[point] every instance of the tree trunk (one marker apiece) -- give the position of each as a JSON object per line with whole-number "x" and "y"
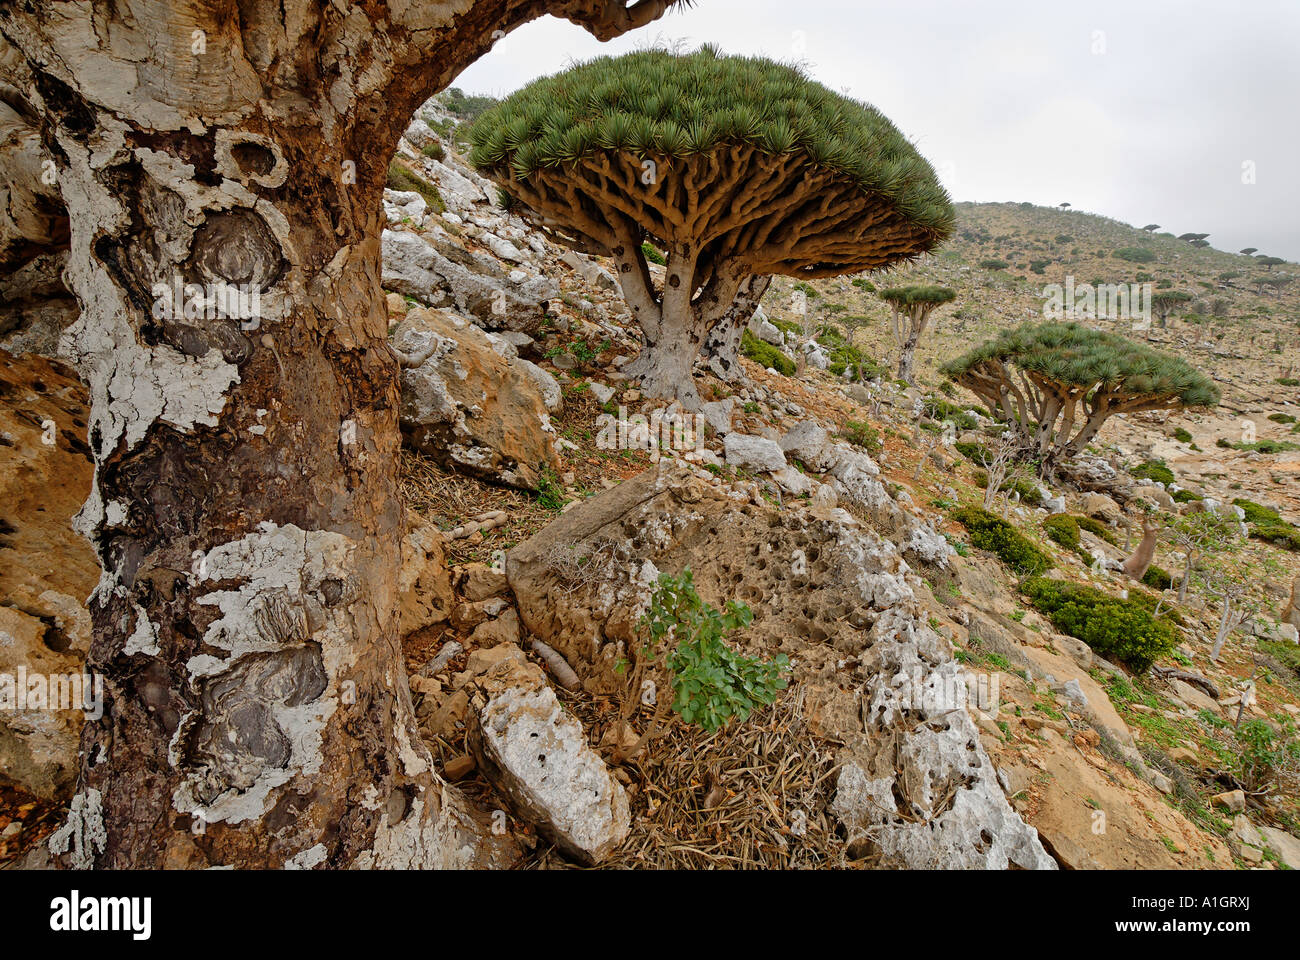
{"x": 1224, "y": 629}
{"x": 1291, "y": 612}
{"x": 722, "y": 346}
{"x": 1187, "y": 579}
{"x": 907, "y": 356}
{"x": 245, "y": 507}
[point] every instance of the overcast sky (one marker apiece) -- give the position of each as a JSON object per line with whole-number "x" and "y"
{"x": 1149, "y": 111}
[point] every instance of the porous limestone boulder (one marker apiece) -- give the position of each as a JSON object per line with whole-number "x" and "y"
{"x": 424, "y": 582}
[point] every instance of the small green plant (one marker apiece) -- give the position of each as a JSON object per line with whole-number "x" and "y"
{"x": 652, "y": 254}
{"x": 1156, "y": 470}
{"x": 765, "y": 355}
{"x": 402, "y": 177}
{"x": 712, "y": 684}
{"x": 1183, "y": 435}
{"x": 433, "y": 151}
{"x": 550, "y": 493}
{"x": 1063, "y": 529}
{"x": 1157, "y": 578}
{"x": 990, "y": 532}
{"x": 861, "y": 434}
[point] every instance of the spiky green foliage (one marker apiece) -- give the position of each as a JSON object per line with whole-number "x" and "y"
{"x": 919, "y": 294}
{"x": 735, "y": 167}
{"x": 657, "y": 104}
{"x": 1036, "y": 374}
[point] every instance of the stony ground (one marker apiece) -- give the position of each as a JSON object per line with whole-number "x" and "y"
{"x": 1111, "y": 769}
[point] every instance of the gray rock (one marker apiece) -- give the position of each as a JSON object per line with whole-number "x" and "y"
{"x": 546, "y": 384}
{"x": 753, "y": 453}
{"x": 810, "y": 443}
{"x": 479, "y": 288}
{"x": 536, "y": 755}
{"x": 602, "y": 392}
{"x": 717, "y": 414}
{"x": 1284, "y": 845}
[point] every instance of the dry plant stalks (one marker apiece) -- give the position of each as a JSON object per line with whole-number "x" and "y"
{"x": 580, "y": 565}
{"x": 480, "y": 524}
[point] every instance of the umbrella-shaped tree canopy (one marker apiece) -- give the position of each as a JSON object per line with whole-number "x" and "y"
{"x": 735, "y": 166}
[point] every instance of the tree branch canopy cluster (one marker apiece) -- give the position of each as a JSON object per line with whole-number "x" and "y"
{"x": 1057, "y": 383}
{"x": 735, "y": 166}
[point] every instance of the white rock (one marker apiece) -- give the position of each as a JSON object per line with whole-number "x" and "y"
{"x": 752, "y": 453}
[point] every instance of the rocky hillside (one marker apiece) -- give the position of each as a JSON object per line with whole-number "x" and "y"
{"x": 942, "y": 706}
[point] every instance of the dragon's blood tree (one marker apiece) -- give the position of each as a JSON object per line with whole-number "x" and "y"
{"x": 1057, "y": 383}
{"x": 735, "y": 166}
{"x": 911, "y": 308}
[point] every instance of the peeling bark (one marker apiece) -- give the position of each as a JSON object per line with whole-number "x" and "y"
{"x": 245, "y": 507}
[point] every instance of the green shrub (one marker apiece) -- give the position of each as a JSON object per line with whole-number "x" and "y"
{"x": 1186, "y": 496}
{"x": 1157, "y": 578}
{"x": 1135, "y": 254}
{"x": 1264, "y": 753}
{"x": 994, "y": 264}
{"x": 1063, "y": 529}
{"x": 1155, "y": 470}
{"x": 975, "y": 452}
{"x": 712, "y": 684}
{"x": 402, "y": 177}
{"x": 1123, "y": 630}
{"x": 1281, "y": 418}
{"x": 1096, "y": 528}
{"x": 1257, "y": 512}
{"x": 1288, "y": 381}
{"x": 940, "y": 409}
{"x": 861, "y": 434}
{"x": 990, "y": 532}
{"x": 1279, "y": 534}
{"x": 863, "y": 284}
{"x": 433, "y": 150}
{"x": 765, "y": 354}
{"x": 1183, "y": 435}
{"x": 652, "y": 254}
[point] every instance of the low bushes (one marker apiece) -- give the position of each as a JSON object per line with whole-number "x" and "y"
{"x": 990, "y": 532}
{"x": 1123, "y": 630}
{"x": 765, "y": 354}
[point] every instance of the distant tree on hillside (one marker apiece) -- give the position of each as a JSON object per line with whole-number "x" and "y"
{"x": 735, "y": 167}
{"x": 1268, "y": 263}
{"x": 1192, "y": 237}
{"x": 1151, "y": 227}
{"x": 1135, "y": 254}
{"x": 1200, "y": 243}
{"x": 1249, "y": 250}
{"x": 911, "y": 310}
{"x": 1064, "y": 206}
{"x": 1057, "y": 383}
{"x": 1166, "y": 302}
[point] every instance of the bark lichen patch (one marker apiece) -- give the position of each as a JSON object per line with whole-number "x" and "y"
{"x": 263, "y": 707}
{"x": 84, "y": 835}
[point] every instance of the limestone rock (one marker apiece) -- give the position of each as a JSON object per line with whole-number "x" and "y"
{"x": 753, "y": 453}
{"x": 537, "y": 757}
{"x": 469, "y": 407}
{"x": 477, "y": 285}
{"x": 810, "y": 443}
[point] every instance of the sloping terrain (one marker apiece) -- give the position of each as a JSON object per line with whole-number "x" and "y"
{"x": 935, "y": 714}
